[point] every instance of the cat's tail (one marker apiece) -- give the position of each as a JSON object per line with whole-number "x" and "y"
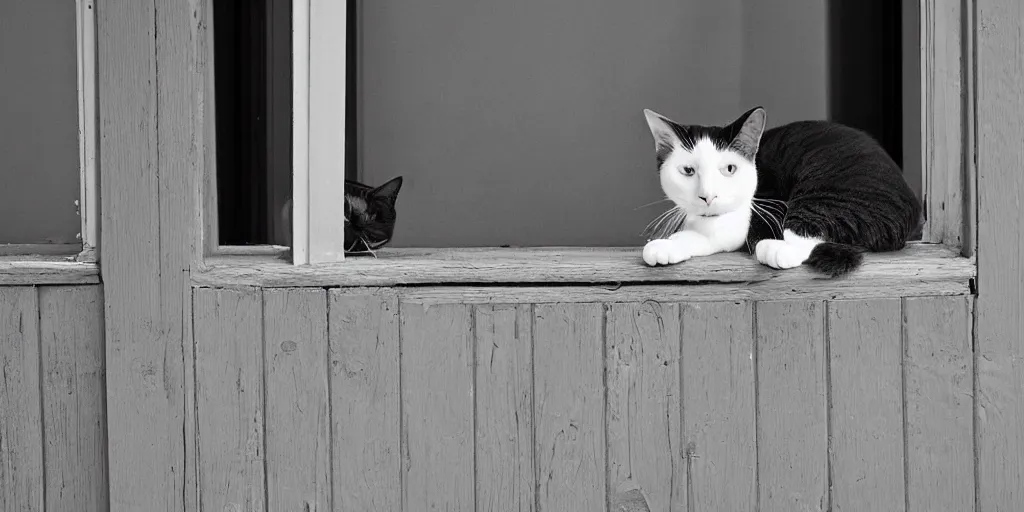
{"x": 835, "y": 259}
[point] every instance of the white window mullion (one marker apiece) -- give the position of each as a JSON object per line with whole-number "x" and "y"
{"x": 88, "y": 197}
{"x": 319, "y": 71}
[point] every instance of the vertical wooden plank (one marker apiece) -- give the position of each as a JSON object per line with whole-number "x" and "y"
{"x": 792, "y": 430}
{"x": 642, "y": 414}
{"x": 505, "y": 471}
{"x": 569, "y": 406}
{"x": 151, "y": 95}
{"x": 866, "y": 405}
{"x": 938, "y": 370}
{"x": 719, "y": 435}
{"x": 297, "y": 418}
{"x": 437, "y": 407}
{"x": 999, "y": 351}
{"x": 74, "y": 423}
{"x": 942, "y": 120}
{"x": 365, "y": 400}
{"x": 21, "y": 432}
{"x": 229, "y": 399}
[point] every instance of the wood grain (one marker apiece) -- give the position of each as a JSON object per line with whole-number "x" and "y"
{"x": 917, "y": 263}
{"x": 365, "y": 400}
{"x": 813, "y": 289}
{"x": 74, "y": 410}
{"x": 505, "y": 471}
{"x": 942, "y": 120}
{"x": 569, "y": 409}
{"x": 437, "y": 407}
{"x": 21, "y": 433}
{"x": 151, "y": 64}
{"x": 46, "y": 270}
{"x": 229, "y": 399}
{"x": 718, "y": 400}
{"x": 642, "y": 412}
{"x": 866, "y": 405}
{"x": 999, "y": 351}
{"x": 939, "y": 378}
{"x": 297, "y": 419}
{"x": 792, "y": 430}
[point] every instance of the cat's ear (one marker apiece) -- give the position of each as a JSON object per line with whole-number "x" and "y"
{"x": 663, "y": 129}
{"x": 748, "y": 129}
{"x": 667, "y": 134}
{"x": 388, "y": 190}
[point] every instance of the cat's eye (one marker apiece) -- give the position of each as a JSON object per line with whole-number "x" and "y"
{"x": 688, "y": 171}
{"x": 729, "y": 170}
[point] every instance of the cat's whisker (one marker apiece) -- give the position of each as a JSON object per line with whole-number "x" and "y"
{"x": 652, "y": 203}
{"x": 671, "y": 225}
{"x": 771, "y": 226}
{"x": 668, "y": 224}
{"x": 773, "y": 218}
{"x": 769, "y": 200}
{"x": 774, "y": 210}
{"x": 367, "y": 245}
{"x": 652, "y": 226}
{"x": 772, "y": 207}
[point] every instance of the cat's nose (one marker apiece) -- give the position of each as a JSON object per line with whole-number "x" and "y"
{"x": 707, "y": 199}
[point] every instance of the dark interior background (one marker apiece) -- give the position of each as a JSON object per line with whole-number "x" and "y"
{"x": 252, "y": 56}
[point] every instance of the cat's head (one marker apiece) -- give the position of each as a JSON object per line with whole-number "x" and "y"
{"x": 708, "y": 170}
{"x": 370, "y": 215}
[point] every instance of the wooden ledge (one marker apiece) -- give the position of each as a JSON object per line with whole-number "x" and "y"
{"x": 927, "y": 268}
{"x": 46, "y": 270}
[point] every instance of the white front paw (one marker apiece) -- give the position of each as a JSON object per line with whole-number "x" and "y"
{"x": 779, "y": 254}
{"x": 665, "y": 252}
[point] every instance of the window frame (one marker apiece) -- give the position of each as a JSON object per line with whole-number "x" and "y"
{"x": 938, "y": 130}
{"x": 88, "y": 128}
{"x": 70, "y": 264}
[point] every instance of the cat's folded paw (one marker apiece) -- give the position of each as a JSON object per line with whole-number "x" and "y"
{"x": 665, "y": 252}
{"x": 779, "y": 254}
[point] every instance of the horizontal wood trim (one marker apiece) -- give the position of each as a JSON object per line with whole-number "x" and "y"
{"x": 919, "y": 269}
{"x": 40, "y": 270}
{"x": 817, "y": 289}
{"x": 40, "y": 249}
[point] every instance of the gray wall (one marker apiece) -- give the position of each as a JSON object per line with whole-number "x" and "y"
{"x": 38, "y": 122}
{"x": 521, "y": 122}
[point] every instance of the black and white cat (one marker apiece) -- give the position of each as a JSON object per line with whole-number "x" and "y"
{"x": 810, "y": 192}
{"x": 370, "y": 216}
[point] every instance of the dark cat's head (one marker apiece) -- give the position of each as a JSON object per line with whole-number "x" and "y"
{"x": 370, "y": 215}
{"x": 708, "y": 170}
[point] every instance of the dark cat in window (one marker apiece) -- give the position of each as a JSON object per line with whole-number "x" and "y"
{"x": 370, "y": 216}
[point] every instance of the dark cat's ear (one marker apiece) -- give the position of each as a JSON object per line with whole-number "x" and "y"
{"x": 388, "y": 190}
{"x": 748, "y": 129}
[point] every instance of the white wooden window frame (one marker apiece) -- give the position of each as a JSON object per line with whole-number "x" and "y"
{"x": 318, "y": 131}
{"x": 87, "y": 203}
{"x": 88, "y": 124}
{"x": 938, "y": 131}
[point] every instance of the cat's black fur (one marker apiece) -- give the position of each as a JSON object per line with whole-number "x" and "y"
{"x": 837, "y": 183}
{"x": 370, "y": 215}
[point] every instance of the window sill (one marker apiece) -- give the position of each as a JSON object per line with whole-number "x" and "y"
{"x": 46, "y": 270}
{"x": 921, "y": 269}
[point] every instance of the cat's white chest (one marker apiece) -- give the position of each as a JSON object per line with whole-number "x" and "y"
{"x": 727, "y": 232}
